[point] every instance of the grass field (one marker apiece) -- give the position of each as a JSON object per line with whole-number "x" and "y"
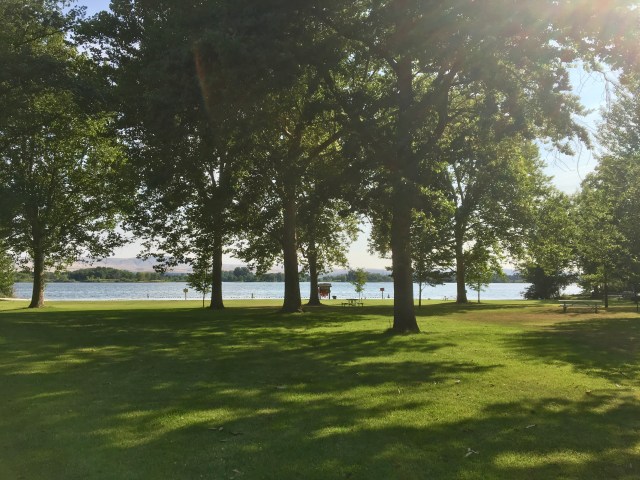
{"x": 151, "y": 390}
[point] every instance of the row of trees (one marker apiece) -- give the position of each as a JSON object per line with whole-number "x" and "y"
{"x": 269, "y": 128}
{"x": 102, "y": 274}
{"x": 595, "y": 233}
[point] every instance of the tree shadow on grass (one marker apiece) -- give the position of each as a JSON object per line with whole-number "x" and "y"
{"x": 451, "y": 308}
{"x": 606, "y": 348}
{"x": 175, "y": 394}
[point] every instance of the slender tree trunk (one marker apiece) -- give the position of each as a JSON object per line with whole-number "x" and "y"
{"x": 314, "y": 296}
{"x": 478, "y": 293}
{"x": 216, "y": 275}
{"x": 403, "y": 167}
{"x": 37, "y": 295}
{"x": 292, "y": 300}
{"x": 606, "y": 289}
{"x": 461, "y": 290}
{"x": 420, "y": 294}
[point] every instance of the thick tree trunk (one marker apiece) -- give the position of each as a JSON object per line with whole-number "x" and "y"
{"x": 37, "y": 296}
{"x": 314, "y": 296}
{"x": 402, "y": 172}
{"x": 461, "y": 290}
{"x": 216, "y": 275}
{"x": 292, "y": 300}
{"x": 404, "y": 316}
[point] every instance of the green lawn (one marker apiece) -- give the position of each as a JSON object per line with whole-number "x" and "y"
{"x": 150, "y": 390}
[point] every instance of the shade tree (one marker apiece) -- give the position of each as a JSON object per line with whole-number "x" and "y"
{"x": 549, "y": 259}
{"x": 185, "y": 92}
{"x": 492, "y": 184}
{"x": 59, "y": 160}
{"x": 326, "y": 229}
{"x": 601, "y": 248}
{"x": 420, "y": 52}
{"x": 607, "y": 248}
{"x": 285, "y": 180}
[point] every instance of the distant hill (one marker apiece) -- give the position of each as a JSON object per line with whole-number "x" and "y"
{"x": 129, "y": 264}
{"x": 139, "y": 265}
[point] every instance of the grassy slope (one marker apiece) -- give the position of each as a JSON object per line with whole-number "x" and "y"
{"x": 166, "y": 390}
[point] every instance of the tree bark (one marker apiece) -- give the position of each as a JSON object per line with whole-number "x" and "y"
{"x": 292, "y": 300}
{"x": 216, "y": 275}
{"x": 314, "y": 296}
{"x": 404, "y": 316}
{"x": 37, "y": 295}
{"x": 606, "y": 289}
{"x": 402, "y": 170}
{"x": 461, "y": 290}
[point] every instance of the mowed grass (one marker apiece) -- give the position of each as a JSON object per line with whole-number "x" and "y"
{"x": 167, "y": 390}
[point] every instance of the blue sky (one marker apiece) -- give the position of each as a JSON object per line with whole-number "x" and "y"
{"x": 94, "y": 6}
{"x": 567, "y": 172}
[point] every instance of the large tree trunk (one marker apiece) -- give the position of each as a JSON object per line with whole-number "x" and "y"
{"x": 461, "y": 293}
{"x": 404, "y": 316}
{"x": 402, "y": 170}
{"x": 314, "y": 296}
{"x": 216, "y": 275}
{"x": 37, "y": 295}
{"x": 292, "y": 300}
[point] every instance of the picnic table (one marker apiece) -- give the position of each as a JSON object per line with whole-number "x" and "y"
{"x": 352, "y": 302}
{"x": 580, "y": 303}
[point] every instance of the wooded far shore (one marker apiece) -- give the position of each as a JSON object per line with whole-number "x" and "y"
{"x": 239, "y": 274}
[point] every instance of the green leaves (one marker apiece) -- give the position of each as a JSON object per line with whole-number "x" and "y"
{"x": 549, "y": 258}
{"x": 7, "y": 272}
{"x": 59, "y": 161}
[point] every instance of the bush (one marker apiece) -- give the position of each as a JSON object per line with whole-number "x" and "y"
{"x": 7, "y": 273}
{"x": 544, "y": 286}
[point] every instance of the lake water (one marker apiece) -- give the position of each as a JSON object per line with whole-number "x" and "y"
{"x": 262, "y": 290}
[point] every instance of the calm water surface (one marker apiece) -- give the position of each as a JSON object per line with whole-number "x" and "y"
{"x": 263, "y": 290}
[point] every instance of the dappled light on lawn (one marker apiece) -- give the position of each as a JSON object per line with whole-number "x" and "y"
{"x": 501, "y": 390}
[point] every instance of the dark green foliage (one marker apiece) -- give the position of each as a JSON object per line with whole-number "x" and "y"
{"x": 545, "y": 286}
{"x": 244, "y": 274}
{"x": 102, "y": 274}
{"x": 7, "y": 273}
{"x": 176, "y": 72}
{"x": 550, "y": 246}
{"x": 492, "y": 182}
{"x": 422, "y": 61}
{"x": 602, "y": 246}
{"x": 350, "y": 276}
{"x": 359, "y": 280}
{"x": 482, "y": 263}
{"x": 609, "y": 204}
{"x": 97, "y": 274}
{"x": 60, "y": 179}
